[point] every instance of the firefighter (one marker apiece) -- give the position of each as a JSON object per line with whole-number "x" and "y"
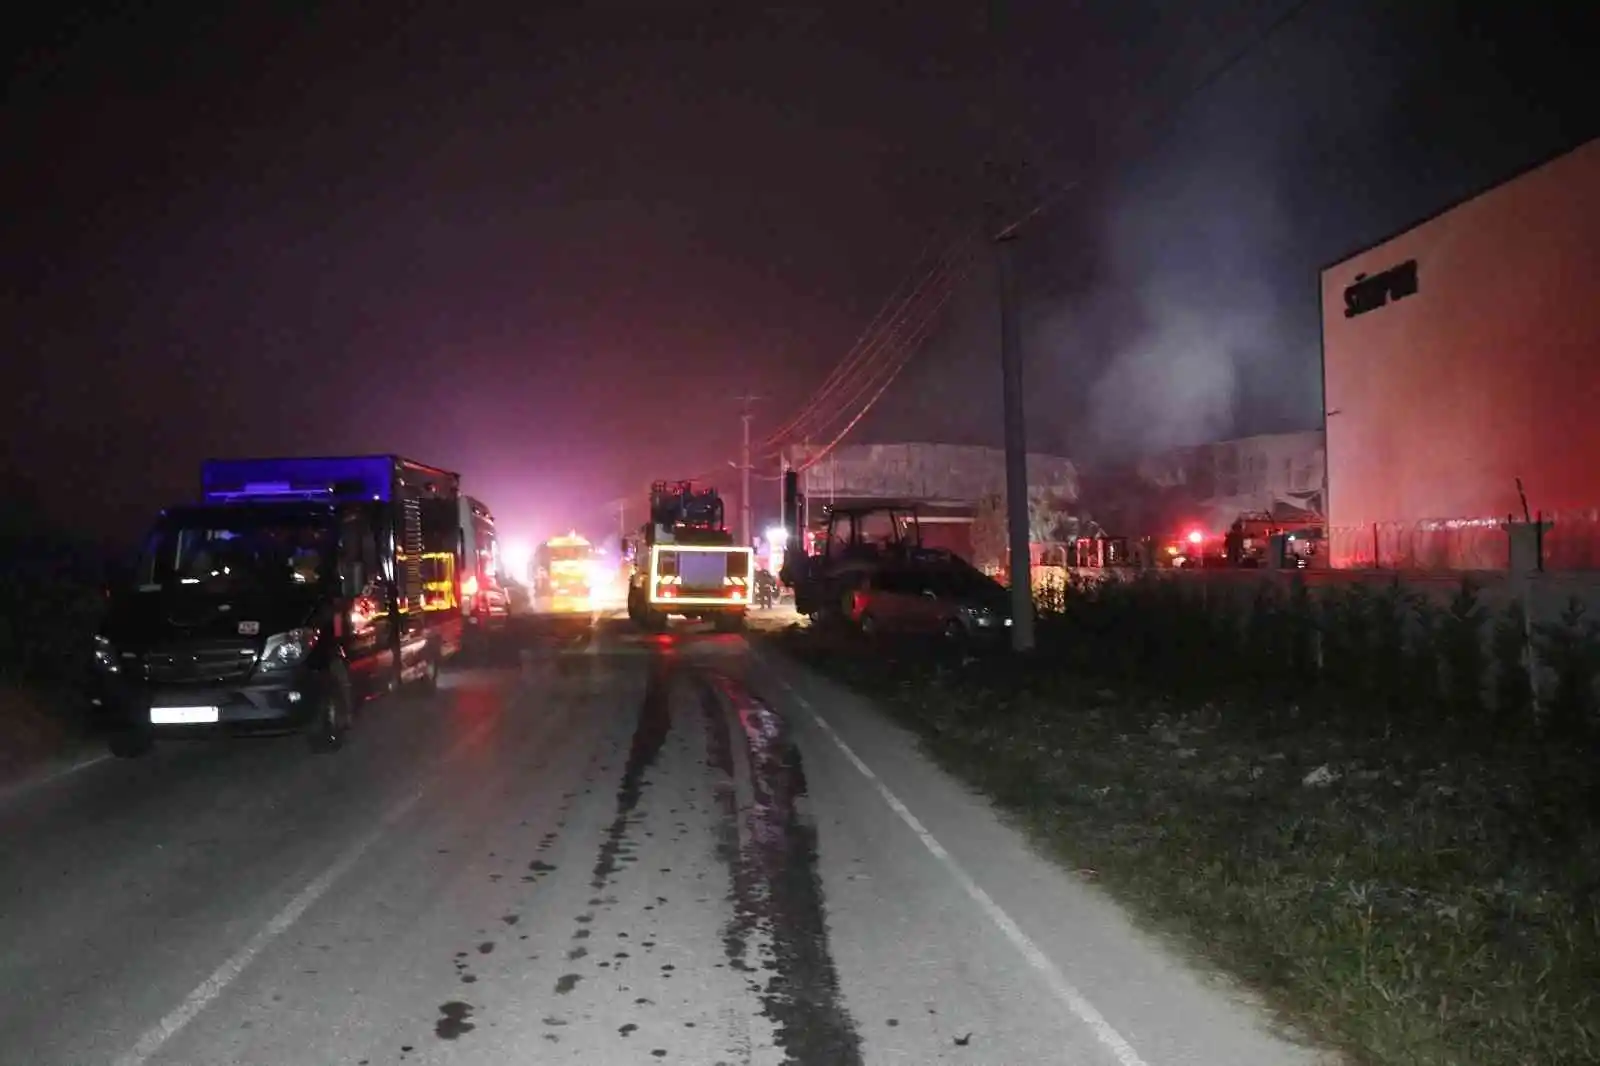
{"x": 766, "y": 588}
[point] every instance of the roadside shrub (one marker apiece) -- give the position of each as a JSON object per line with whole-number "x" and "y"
{"x": 1423, "y": 654}
{"x": 1460, "y": 635}
{"x": 1388, "y": 680}
{"x": 1571, "y": 650}
{"x": 1513, "y": 682}
{"x": 1345, "y": 622}
{"x": 1401, "y": 660}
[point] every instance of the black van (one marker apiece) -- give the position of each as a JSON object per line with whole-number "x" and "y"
{"x": 289, "y": 596}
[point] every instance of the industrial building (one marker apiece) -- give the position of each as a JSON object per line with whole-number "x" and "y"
{"x": 1460, "y": 356}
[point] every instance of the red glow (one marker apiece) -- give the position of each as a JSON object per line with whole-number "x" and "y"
{"x": 1196, "y": 537}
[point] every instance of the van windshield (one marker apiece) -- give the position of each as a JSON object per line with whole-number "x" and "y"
{"x": 231, "y": 550}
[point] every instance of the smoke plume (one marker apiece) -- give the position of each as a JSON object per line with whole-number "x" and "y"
{"x": 1192, "y": 248}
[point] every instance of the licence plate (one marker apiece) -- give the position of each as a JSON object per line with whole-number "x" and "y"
{"x": 182, "y": 715}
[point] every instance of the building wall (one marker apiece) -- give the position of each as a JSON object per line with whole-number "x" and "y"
{"x": 931, "y": 472}
{"x": 1210, "y": 484}
{"x": 1259, "y": 473}
{"x": 1439, "y": 400}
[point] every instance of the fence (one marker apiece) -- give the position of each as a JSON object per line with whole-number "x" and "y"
{"x": 1572, "y": 542}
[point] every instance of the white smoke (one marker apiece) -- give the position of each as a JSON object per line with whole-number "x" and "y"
{"x": 1183, "y": 335}
{"x": 1194, "y": 251}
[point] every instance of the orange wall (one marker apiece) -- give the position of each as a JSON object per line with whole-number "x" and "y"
{"x": 1438, "y": 401}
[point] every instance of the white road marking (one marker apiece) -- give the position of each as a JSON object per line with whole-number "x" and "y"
{"x": 208, "y": 990}
{"x": 1064, "y": 990}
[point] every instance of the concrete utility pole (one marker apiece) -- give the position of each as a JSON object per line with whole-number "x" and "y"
{"x": 744, "y": 470}
{"x": 1018, "y": 527}
{"x": 1016, "y": 437}
{"x": 783, "y": 510}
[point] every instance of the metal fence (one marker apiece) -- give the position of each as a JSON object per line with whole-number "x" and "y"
{"x": 1571, "y": 542}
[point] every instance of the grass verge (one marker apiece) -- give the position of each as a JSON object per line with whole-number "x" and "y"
{"x": 1406, "y": 894}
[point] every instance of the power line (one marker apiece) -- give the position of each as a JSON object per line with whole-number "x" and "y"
{"x": 858, "y": 364}
{"x": 900, "y": 350}
{"x": 887, "y": 346}
{"x": 852, "y": 357}
{"x": 912, "y": 346}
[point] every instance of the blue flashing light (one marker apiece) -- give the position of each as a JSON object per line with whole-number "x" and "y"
{"x": 265, "y": 480}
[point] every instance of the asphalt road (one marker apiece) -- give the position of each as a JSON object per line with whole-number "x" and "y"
{"x": 594, "y": 847}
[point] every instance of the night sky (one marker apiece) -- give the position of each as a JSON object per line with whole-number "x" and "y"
{"x": 547, "y": 246}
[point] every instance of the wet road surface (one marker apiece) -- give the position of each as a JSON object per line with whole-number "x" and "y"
{"x": 589, "y": 846}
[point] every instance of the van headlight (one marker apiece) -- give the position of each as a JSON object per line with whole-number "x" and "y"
{"x": 105, "y": 656}
{"x": 284, "y": 650}
{"x": 980, "y": 616}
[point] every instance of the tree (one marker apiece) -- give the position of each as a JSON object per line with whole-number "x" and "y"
{"x": 1049, "y": 522}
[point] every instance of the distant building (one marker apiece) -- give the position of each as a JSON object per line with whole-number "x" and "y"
{"x": 1208, "y": 485}
{"x": 950, "y": 483}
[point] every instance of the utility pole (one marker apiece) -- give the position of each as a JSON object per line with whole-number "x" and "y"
{"x": 744, "y": 470}
{"x": 1018, "y": 528}
{"x": 783, "y": 509}
{"x": 1016, "y": 437}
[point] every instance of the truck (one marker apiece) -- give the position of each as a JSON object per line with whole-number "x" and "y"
{"x": 563, "y": 567}
{"x": 685, "y": 561}
{"x": 485, "y": 599}
{"x": 293, "y": 592}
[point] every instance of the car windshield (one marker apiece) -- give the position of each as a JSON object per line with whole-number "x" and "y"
{"x": 961, "y": 583}
{"x": 573, "y": 554}
{"x": 209, "y": 552}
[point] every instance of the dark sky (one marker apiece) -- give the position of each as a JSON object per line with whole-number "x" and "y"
{"x": 547, "y": 246}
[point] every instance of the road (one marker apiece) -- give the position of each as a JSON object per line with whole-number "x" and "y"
{"x": 596, "y": 847}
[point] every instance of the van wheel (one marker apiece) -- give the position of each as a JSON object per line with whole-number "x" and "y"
{"x": 131, "y": 743}
{"x": 328, "y": 729}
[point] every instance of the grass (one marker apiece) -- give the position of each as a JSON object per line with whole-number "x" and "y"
{"x": 1412, "y": 880}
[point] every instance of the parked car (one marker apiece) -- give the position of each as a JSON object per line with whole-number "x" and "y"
{"x": 951, "y": 600}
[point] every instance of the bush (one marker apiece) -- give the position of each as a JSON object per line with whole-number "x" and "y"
{"x": 1452, "y": 670}
{"x": 1571, "y": 650}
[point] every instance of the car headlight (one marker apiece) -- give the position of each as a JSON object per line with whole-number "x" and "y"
{"x": 284, "y": 650}
{"x": 105, "y": 656}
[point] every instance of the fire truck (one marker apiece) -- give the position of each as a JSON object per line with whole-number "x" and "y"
{"x": 563, "y": 567}
{"x": 685, "y": 562}
{"x": 1255, "y": 540}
